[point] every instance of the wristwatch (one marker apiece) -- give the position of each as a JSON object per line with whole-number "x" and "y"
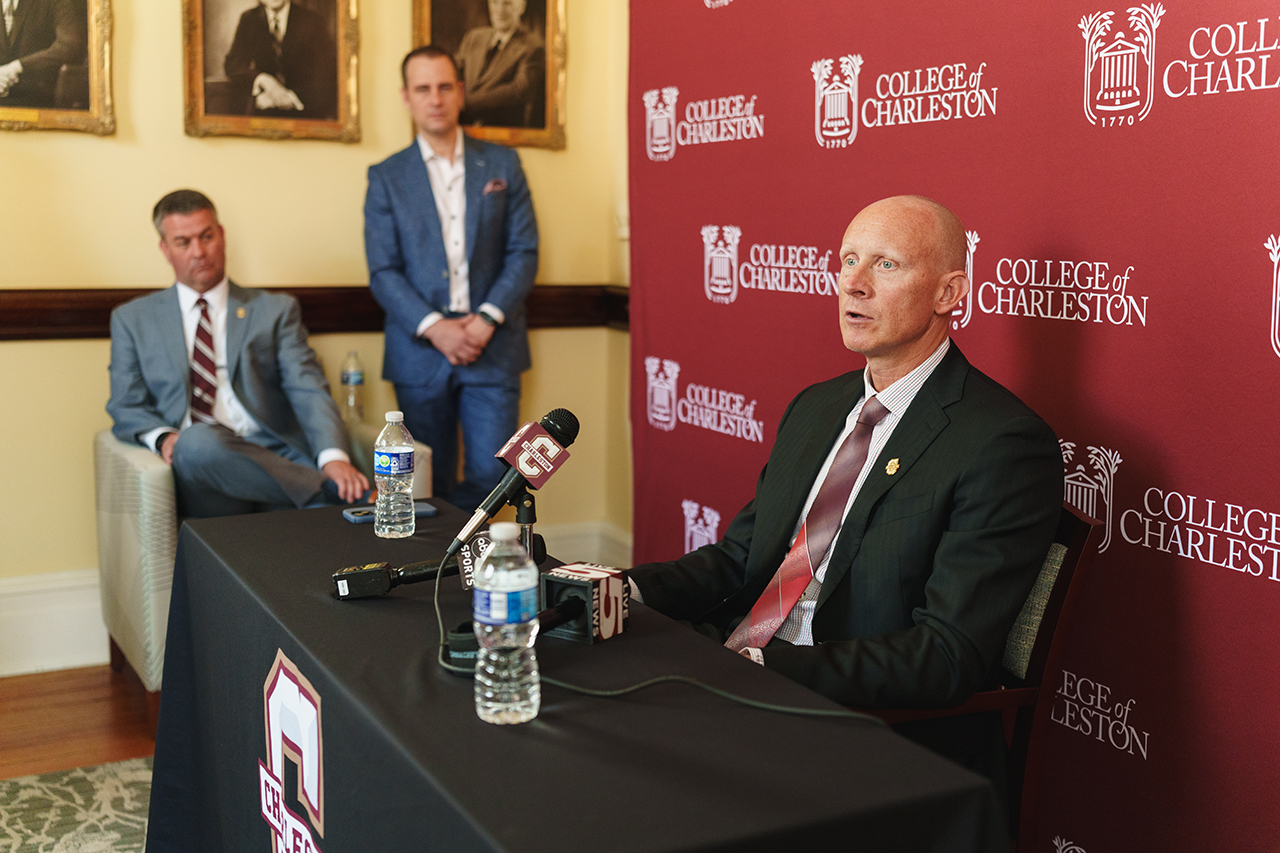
{"x": 484, "y": 315}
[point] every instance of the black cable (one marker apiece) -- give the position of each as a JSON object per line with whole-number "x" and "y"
{"x": 662, "y": 679}
{"x": 839, "y": 713}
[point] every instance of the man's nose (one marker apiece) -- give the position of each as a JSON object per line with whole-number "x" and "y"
{"x": 853, "y": 279}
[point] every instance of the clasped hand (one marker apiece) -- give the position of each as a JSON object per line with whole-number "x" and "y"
{"x": 461, "y": 339}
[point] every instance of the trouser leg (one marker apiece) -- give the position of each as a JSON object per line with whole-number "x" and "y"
{"x": 488, "y": 414}
{"x": 217, "y": 472}
{"x": 431, "y": 416}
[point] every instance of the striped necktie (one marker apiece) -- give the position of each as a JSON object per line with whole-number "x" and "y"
{"x": 204, "y": 371}
{"x": 815, "y": 537}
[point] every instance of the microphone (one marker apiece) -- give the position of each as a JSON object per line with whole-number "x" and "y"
{"x": 605, "y": 598}
{"x": 371, "y": 579}
{"x": 534, "y": 453}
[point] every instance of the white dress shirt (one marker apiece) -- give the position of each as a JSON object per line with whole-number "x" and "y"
{"x": 227, "y": 408}
{"x": 449, "y": 187}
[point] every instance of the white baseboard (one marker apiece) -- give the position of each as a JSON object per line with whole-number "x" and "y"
{"x": 589, "y": 541}
{"x": 51, "y": 621}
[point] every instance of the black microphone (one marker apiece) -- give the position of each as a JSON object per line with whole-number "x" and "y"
{"x": 371, "y": 579}
{"x": 531, "y": 461}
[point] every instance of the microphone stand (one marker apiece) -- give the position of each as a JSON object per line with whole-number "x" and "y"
{"x": 526, "y": 516}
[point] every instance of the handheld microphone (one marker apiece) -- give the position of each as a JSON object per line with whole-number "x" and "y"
{"x": 605, "y": 596}
{"x": 534, "y": 453}
{"x": 370, "y": 579}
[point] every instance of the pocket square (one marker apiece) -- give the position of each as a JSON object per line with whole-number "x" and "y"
{"x": 496, "y": 185}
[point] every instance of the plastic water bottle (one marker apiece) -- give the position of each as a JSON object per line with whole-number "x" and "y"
{"x": 352, "y": 388}
{"x": 393, "y": 516}
{"x": 505, "y": 616}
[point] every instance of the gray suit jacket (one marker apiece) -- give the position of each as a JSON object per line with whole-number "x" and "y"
{"x": 272, "y": 369}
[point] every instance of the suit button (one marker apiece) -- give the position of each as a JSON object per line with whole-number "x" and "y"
{"x": 444, "y": 273}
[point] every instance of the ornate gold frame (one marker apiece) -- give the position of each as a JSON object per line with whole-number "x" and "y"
{"x": 552, "y": 136}
{"x": 345, "y": 129}
{"x": 100, "y": 118}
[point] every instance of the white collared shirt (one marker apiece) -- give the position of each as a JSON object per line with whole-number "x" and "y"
{"x": 227, "y": 408}
{"x": 449, "y": 188}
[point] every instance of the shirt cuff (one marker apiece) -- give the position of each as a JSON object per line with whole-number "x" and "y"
{"x": 493, "y": 311}
{"x": 151, "y": 440}
{"x": 428, "y": 321}
{"x": 331, "y": 454}
{"x": 635, "y": 591}
{"x": 756, "y": 655}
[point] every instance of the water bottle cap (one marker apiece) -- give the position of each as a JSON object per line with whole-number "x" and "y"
{"x": 504, "y": 531}
{"x": 395, "y": 417}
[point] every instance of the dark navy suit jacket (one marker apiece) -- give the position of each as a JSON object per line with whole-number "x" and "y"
{"x": 409, "y": 273}
{"x": 934, "y": 559}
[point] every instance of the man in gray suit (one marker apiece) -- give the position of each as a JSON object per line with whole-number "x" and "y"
{"x": 219, "y": 381}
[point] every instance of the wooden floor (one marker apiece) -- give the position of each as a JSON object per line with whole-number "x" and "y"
{"x": 71, "y": 718}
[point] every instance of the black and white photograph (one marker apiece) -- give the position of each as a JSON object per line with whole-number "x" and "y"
{"x": 54, "y": 65}
{"x": 270, "y": 68}
{"x": 510, "y": 58}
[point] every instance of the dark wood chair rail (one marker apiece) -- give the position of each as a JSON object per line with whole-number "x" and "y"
{"x": 33, "y": 315}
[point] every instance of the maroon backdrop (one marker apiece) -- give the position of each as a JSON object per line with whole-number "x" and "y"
{"x": 1116, "y": 168}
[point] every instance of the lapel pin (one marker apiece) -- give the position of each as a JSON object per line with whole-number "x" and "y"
{"x": 240, "y": 314}
{"x": 892, "y": 467}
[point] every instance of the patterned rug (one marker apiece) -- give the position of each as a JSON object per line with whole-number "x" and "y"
{"x": 99, "y": 809}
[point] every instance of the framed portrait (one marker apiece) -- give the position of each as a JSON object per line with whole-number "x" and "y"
{"x": 511, "y": 60}
{"x": 55, "y": 66}
{"x": 276, "y": 69}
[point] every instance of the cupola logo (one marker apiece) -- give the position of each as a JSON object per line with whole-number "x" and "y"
{"x": 720, "y": 262}
{"x": 660, "y": 398}
{"x": 1092, "y": 493}
{"x": 660, "y": 123}
{"x": 835, "y": 101}
{"x": 965, "y": 309}
{"x": 1273, "y": 248}
{"x": 1119, "y": 76}
{"x": 701, "y": 529}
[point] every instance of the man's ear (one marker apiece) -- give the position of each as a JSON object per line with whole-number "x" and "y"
{"x": 955, "y": 287}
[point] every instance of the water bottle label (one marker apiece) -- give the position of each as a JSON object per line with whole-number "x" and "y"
{"x": 353, "y": 377}
{"x": 390, "y": 464}
{"x": 504, "y": 608}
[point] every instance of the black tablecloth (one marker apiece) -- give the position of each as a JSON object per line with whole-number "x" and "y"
{"x": 408, "y": 766}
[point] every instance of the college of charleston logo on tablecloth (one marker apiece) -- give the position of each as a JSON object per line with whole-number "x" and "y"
{"x": 1119, "y": 75}
{"x": 1273, "y": 248}
{"x": 291, "y": 708}
{"x": 1091, "y": 491}
{"x": 720, "y": 262}
{"x": 1079, "y": 291}
{"x": 700, "y": 528}
{"x": 1062, "y": 845}
{"x": 717, "y": 4}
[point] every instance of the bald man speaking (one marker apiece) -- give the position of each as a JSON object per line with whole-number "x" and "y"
{"x": 904, "y": 511}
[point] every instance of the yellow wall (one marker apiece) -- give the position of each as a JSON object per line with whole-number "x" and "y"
{"x": 75, "y": 214}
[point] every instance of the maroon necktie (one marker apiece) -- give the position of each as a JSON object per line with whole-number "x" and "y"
{"x": 815, "y": 537}
{"x": 204, "y": 373}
